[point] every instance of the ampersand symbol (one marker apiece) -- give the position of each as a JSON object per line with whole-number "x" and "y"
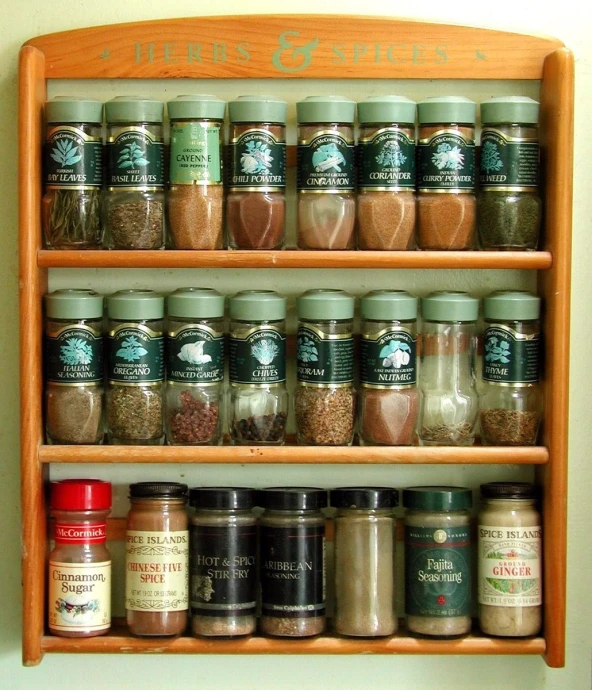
{"x": 304, "y": 52}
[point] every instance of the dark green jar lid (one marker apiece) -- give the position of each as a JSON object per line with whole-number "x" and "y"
{"x": 258, "y": 109}
{"x": 326, "y": 109}
{"x": 134, "y": 109}
{"x": 196, "y": 107}
{"x": 449, "y": 306}
{"x": 510, "y": 109}
{"x": 512, "y": 305}
{"x": 135, "y": 305}
{"x": 387, "y": 109}
{"x": 74, "y": 304}
{"x": 444, "y": 109}
{"x": 195, "y": 303}
{"x": 257, "y": 305}
{"x": 389, "y": 305}
{"x": 71, "y": 109}
{"x": 437, "y": 498}
{"x": 325, "y": 305}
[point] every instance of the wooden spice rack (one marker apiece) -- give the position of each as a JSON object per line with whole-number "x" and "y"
{"x": 318, "y": 47}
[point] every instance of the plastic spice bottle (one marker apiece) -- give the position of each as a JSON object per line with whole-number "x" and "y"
{"x": 326, "y": 174}
{"x": 388, "y": 397}
{"x": 133, "y": 206}
{"x": 438, "y": 560}
{"x": 292, "y": 541}
{"x": 135, "y": 367}
{"x": 364, "y": 561}
{"x": 256, "y": 203}
{"x": 510, "y": 552}
{"x": 80, "y": 508}
{"x": 73, "y": 173}
{"x": 157, "y": 542}
{"x": 257, "y": 368}
{"x": 511, "y": 404}
{"x": 195, "y": 366}
{"x": 446, "y": 173}
{"x": 448, "y": 394}
{"x": 223, "y": 561}
{"x": 386, "y": 173}
{"x": 325, "y": 397}
{"x": 195, "y": 199}
{"x": 509, "y": 206}
{"x": 74, "y": 367}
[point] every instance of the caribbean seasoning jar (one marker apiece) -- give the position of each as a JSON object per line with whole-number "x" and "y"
{"x": 157, "y": 559}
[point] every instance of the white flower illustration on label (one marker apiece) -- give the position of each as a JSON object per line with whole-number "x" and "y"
{"x": 193, "y": 353}
{"x": 391, "y": 155}
{"x": 448, "y": 157}
{"x": 256, "y": 159}
{"x": 396, "y": 354}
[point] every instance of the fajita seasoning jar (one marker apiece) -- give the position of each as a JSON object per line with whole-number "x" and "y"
{"x": 386, "y": 201}
{"x": 74, "y": 367}
{"x": 195, "y": 199}
{"x": 446, "y": 173}
{"x": 73, "y": 173}
{"x": 326, "y": 174}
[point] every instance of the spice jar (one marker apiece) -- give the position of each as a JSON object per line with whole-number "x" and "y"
{"x": 386, "y": 173}
{"x": 325, "y": 398}
{"x": 510, "y": 586}
{"x": 256, "y": 203}
{"x": 79, "y": 595}
{"x": 326, "y": 176}
{"x": 195, "y": 366}
{"x": 135, "y": 367}
{"x": 133, "y": 206}
{"x": 292, "y": 553}
{"x": 438, "y": 560}
{"x": 195, "y": 198}
{"x": 74, "y": 367}
{"x": 223, "y": 561}
{"x": 157, "y": 559}
{"x": 257, "y": 368}
{"x": 448, "y": 395}
{"x": 389, "y": 399}
{"x": 364, "y": 561}
{"x": 509, "y": 205}
{"x": 73, "y": 173}
{"x": 511, "y": 404}
{"x": 446, "y": 173}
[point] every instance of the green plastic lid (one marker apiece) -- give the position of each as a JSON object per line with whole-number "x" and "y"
{"x": 437, "y": 498}
{"x": 387, "y": 109}
{"x": 508, "y": 109}
{"x": 449, "y": 306}
{"x": 196, "y": 303}
{"x": 389, "y": 305}
{"x": 325, "y": 305}
{"x": 258, "y": 109}
{"x": 74, "y": 304}
{"x": 512, "y": 305}
{"x": 257, "y": 305}
{"x": 135, "y": 305}
{"x": 134, "y": 109}
{"x": 326, "y": 109}
{"x": 196, "y": 107}
{"x": 71, "y": 109}
{"x": 445, "y": 109}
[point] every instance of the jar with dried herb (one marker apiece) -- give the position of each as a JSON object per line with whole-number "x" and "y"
{"x": 446, "y": 173}
{"x": 389, "y": 400}
{"x": 256, "y": 202}
{"x": 258, "y": 397}
{"x": 326, "y": 174}
{"x": 195, "y": 199}
{"x": 386, "y": 173}
{"x": 448, "y": 394}
{"x": 511, "y": 403}
{"x": 133, "y": 206}
{"x": 325, "y": 397}
{"x": 74, "y": 367}
{"x": 135, "y": 367}
{"x": 509, "y": 205}
{"x": 73, "y": 173}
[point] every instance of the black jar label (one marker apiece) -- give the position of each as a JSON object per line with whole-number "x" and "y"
{"x": 508, "y": 162}
{"x": 74, "y": 355}
{"x": 73, "y": 159}
{"x": 510, "y": 357}
{"x": 258, "y": 160}
{"x": 326, "y": 162}
{"x": 258, "y": 357}
{"x": 388, "y": 359}
{"x": 136, "y": 159}
{"x": 136, "y": 355}
{"x": 446, "y": 161}
{"x": 386, "y": 161}
{"x": 324, "y": 358}
{"x": 195, "y": 354}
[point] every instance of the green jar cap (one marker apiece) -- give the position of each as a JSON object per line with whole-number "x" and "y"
{"x": 257, "y": 305}
{"x": 387, "y": 109}
{"x": 74, "y": 304}
{"x": 449, "y": 306}
{"x": 509, "y": 109}
{"x": 196, "y": 107}
{"x": 325, "y": 305}
{"x": 437, "y": 498}
{"x": 71, "y": 109}
{"x": 512, "y": 305}
{"x": 258, "y": 109}
{"x": 389, "y": 305}
{"x": 445, "y": 109}
{"x": 134, "y": 109}
{"x": 196, "y": 303}
{"x": 135, "y": 305}
{"x": 326, "y": 109}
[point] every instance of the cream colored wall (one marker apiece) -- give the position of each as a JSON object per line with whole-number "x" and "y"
{"x": 564, "y": 20}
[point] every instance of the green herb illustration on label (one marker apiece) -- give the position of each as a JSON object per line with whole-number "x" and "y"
{"x": 391, "y": 155}
{"x": 74, "y": 356}
{"x": 76, "y": 351}
{"x": 446, "y": 161}
{"x": 448, "y": 157}
{"x": 265, "y": 351}
{"x": 136, "y": 159}
{"x": 326, "y": 162}
{"x": 510, "y": 357}
{"x": 74, "y": 610}
{"x": 132, "y": 156}
{"x": 490, "y": 158}
{"x": 131, "y": 350}
{"x": 388, "y": 360}
{"x": 324, "y": 360}
{"x": 508, "y": 162}
{"x": 386, "y": 161}
{"x": 259, "y": 357}
{"x": 136, "y": 355}
{"x": 513, "y": 566}
{"x": 73, "y": 159}
{"x": 65, "y": 153}
{"x": 258, "y": 160}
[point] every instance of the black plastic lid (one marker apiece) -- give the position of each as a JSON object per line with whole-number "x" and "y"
{"x": 437, "y": 498}
{"x": 222, "y": 497}
{"x": 292, "y": 498}
{"x": 509, "y": 490}
{"x": 158, "y": 490}
{"x": 364, "y": 497}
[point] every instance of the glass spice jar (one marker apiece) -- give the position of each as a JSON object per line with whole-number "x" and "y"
{"x": 135, "y": 367}
{"x": 511, "y": 403}
{"x": 386, "y": 201}
{"x": 256, "y": 202}
{"x": 133, "y": 205}
{"x": 73, "y": 173}
{"x": 388, "y": 396}
{"x": 74, "y": 367}
{"x": 446, "y": 173}
{"x": 195, "y": 366}
{"x": 509, "y": 205}
{"x": 325, "y": 397}
{"x": 79, "y": 595}
{"x": 195, "y": 198}
{"x": 326, "y": 175}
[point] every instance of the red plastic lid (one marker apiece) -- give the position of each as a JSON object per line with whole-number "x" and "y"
{"x": 81, "y": 494}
